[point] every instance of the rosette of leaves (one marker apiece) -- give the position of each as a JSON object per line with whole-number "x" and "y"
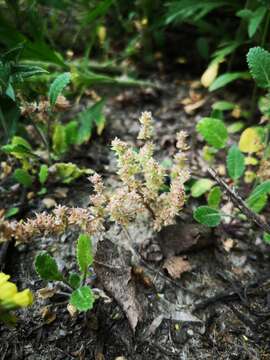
{"x": 81, "y": 295}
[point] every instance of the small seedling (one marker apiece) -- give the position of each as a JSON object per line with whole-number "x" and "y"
{"x": 81, "y": 295}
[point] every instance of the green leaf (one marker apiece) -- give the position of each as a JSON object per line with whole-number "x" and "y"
{"x": 71, "y": 130}
{"x": 11, "y": 212}
{"x": 266, "y": 238}
{"x": 74, "y": 280}
{"x": 84, "y": 253}
{"x": 87, "y": 119}
{"x": 59, "y": 140}
{"x": 23, "y": 177}
{"x": 255, "y": 20}
{"x": 207, "y": 216}
{"x": 200, "y": 187}
{"x": 235, "y": 127}
{"x": 223, "y": 105}
{"x": 214, "y": 197}
{"x": 46, "y": 267}
{"x": 43, "y": 174}
{"x": 213, "y": 131}
{"x": 227, "y": 78}
{"x": 82, "y": 298}
{"x": 258, "y": 61}
{"x": 235, "y": 163}
{"x": 68, "y": 172}
{"x": 258, "y": 198}
{"x": 58, "y": 86}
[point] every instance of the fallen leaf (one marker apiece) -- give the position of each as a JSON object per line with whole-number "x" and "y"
{"x": 191, "y": 107}
{"x": 176, "y": 266}
{"x": 60, "y": 192}
{"x": 117, "y": 278}
{"x": 72, "y": 310}
{"x": 47, "y": 315}
{"x": 46, "y": 293}
{"x": 210, "y": 74}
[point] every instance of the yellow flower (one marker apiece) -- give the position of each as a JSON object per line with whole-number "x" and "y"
{"x": 10, "y": 297}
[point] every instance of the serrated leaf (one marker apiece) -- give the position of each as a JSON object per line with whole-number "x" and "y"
{"x": 207, "y": 216}
{"x": 47, "y": 268}
{"x": 213, "y": 131}
{"x": 58, "y": 86}
{"x": 84, "y": 252}
{"x": 43, "y": 174}
{"x": 200, "y": 187}
{"x": 74, "y": 280}
{"x": 258, "y": 61}
{"x": 82, "y": 298}
{"x": 227, "y": 78}
{"x": 23, "y": 177}
{"x": 250, "y": 141}
{"x": 214, "y": 197}
{"x": 235, "y": 163}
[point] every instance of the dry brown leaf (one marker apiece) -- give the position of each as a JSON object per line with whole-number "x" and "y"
{"x": 176, "y": 266}
{"x": 72, "y": 310}
{"x": 46, "y": 293}
{"x": 47, "y": 315}
{"x": 194, "y": 106}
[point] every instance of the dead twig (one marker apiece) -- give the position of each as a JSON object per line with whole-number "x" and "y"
{"x": 239, "y": 202}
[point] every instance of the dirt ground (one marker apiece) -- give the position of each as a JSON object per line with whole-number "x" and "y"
{"x": 219, "y": 309}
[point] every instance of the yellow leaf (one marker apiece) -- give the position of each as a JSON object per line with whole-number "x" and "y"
{"x": 250, "y": 141}
{"x": 210, "y": 74}
{"x": 7, "y": 290}
{"x": 23, "y": 298}
{"x": 3, "y": 278}
{"x": 250, "y": 176}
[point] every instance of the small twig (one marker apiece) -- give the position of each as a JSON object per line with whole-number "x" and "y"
{"x": 239, "y": 202}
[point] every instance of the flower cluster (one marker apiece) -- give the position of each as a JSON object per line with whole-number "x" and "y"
{"x": 141, "y": 191}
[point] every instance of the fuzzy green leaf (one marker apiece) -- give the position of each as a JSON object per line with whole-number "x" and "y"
{"x": 47, "y": 268}
{"x": 258, "y": 61}
{"x": 213, "y": 131}
{"x": 82, "y": 298}
{"x": 235, "y": 163}
{"x": 23, "y": 177}
{"x": 207, "y": 216}
{"x": 58, "y": 86}
{"x": 84, "y": 252}
{"x": 200, "y": 187}
{"x": 214, "y": 197}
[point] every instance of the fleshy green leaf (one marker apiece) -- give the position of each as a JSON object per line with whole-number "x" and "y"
{"x": 58, "y": 86}
{"x": 235, "y": 163}
{"x": 43, "y": 174}
{"x": 11, "y": 212}
{"x": 223, "y": 105}
{"x": 23, "y": 177}
{"x": 255, "y": 20}
{"x": 235, "y": 127}
{"x": 207, "y": 216}
{"x": 214, "y": 197}
{"x": 47, "y": 268}
{"x": 258, "y": 61}
{"x": 200, "y": 187}
{"x": 82, "y": 298}
{"x": 84, "y": 252}
{"x": 213, "y": 131}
